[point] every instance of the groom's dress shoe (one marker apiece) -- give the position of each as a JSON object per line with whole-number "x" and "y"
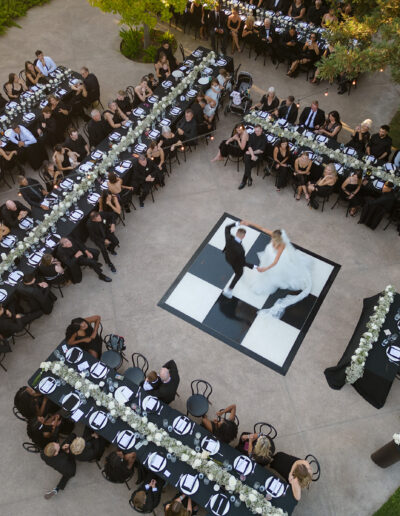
{"x": 249, "y": 182}
{"x": 242, "y": 185}
{"x": 227, "y": 293}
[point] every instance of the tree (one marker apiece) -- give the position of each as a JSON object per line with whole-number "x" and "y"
{"x": 367, "y": 41}
{"x": 141, "y": 13}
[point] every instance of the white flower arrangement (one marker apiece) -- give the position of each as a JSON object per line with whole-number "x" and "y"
{"x": 356, "y": 368}
{"x": 396, "y": 439}
{"x": 273, "y": 127}
{"x": 199, "y": 461}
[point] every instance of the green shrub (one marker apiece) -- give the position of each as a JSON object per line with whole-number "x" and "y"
{"x": 159, "y": 37}
{"x": 149, "y": 54}
{"x": 12, "y": 9}
{"x": 391, "y": 507}
{"x": 132, "y": 42}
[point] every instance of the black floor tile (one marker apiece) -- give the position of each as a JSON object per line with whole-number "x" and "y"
{"x": 211, "y": 266}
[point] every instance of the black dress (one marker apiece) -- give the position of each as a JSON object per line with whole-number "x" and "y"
{"x": 95, "y": 344}
{"x": 301, "y": 179}
{"x": 283, "y": 463}
{"x": 282, "y": 173}
{"x": 14, "y": 92}
{"x": 356, "y": 200}
{"x": 357, "y": 144}
{"x": 116, "y": 118}
{"x": 296, "y": 10}
{"x": 231, "y": 149}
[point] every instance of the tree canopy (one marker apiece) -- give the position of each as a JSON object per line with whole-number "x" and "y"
{"x": 366, "y": 41}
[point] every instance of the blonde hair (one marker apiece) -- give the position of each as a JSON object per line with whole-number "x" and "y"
{"x": 303, "y": 475}
{"x": 263, "y": 448}
{"x": 77, "y": 446}
{"x": 277, "y": 236}
{"x": 367, "y": 122}
{"x": 139, "y": 499}
{"x": 250, "y": 19}
{"x": 330, "y": 169}
{"x": 50, "y": 449}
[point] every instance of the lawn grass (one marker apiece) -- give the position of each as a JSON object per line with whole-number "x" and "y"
{"x": 395, "y": 133}
{"x": 392, "y": 506}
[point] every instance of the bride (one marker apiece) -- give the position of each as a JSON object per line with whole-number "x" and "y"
{"x": 281, "y": 267}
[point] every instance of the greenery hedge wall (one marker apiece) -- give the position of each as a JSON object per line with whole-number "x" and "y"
{"x": 12, "y": 9}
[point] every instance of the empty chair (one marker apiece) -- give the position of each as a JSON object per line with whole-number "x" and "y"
{"x": 31, "y": 447}
{"x": 197, "y": 404}
{"x": 4, "y": 349}
{"x": 140, "y": 366}
{"x": 312, "y": 460}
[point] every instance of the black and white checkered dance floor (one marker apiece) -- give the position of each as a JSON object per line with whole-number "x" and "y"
{"x": 196, "y": 296}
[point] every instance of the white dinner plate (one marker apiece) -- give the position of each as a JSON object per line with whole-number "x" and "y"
{"x": 274, "y": 487}
{"x": 177, "y": 74}
{"x": 219, "y": 504}
{"x": 123, "y": 394}
{"x": 98, "y": 420}
{"x": 3, "y": 294}
{"x": 189, "y": 484}
{"x": 182, "y": 425}
{"x": 125, "y": 439}
{"x": 157, "y": 462}
{"x": 98, "y": 370}
{"x": 47, "y": 385}
{"x": 204, "y": 80}
{"x": 243, "y": 465}
{"x": 76, "y": 215}
{"x": 211, "y": 445}
{"x": 74, "y": 355}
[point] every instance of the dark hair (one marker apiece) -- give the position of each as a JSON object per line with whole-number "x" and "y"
{"x": 385, "y": 127}
{"x": 226, "y": 431}
{"x": 187, "y": 111}
{"x": 291, "y": 98}
{"x": 112, "y": 177}
{"x": 25, "y": 403}
{"x": 336, "y": 116}
{"x": 93, "y": 214}
{"x": 258, "y": 125}
{"x": 35, "y": 430}
{"x": 115, "y": 469}
{"x": 58, "y": 147}
{"x": 281, "y": 140}
{"x": 73, "y": 327}
{"x": 38, "y": 52}
{"x": 85, "y": 68}
{"x": 11, "y": 77}
{"x": 389, "y": 184}
{"x": 153, "y": 144}
{"x": 26, "y": 65}
{"x": 28, "y": 277}
{"x": 46, "y": 109}
{"x": 161, "y": 55}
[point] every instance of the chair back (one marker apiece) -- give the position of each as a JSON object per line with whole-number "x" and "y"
{"x": 141, "y": 362}
{"x": 22, "y": 75}
{"x": 236, "y": 420}
{"x": 266, "y": 429}
{"x": 5, "y": 345}
{"x": 18, "y": 414}
{"x": 31, "y": 447}
{"x": 235, "y": 73}
{"x": 201, "y": 387}
{"x": 130, "y": 90}
{"x": 182, "y": 51}
{"x": 312, "y": 460}
{"x": 5, "y": 90}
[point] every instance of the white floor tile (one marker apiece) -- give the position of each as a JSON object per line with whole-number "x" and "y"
{"x": 320, "y": 272}
{"x": 194, "y": 297}
{"x": 244, "y": 293}
{"x": 271, "y": 338}
{"x": 218, "y": 240}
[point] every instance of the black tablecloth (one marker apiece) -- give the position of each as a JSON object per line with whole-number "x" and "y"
{"x": 380, "y": 371}
{"x": 176, "y": 424}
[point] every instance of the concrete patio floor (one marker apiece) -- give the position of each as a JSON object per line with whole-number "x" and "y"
{"x": 339, "y": 427}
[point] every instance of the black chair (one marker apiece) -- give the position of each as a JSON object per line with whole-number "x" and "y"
{"x": 234, "y": 159}
{"x": 22, "y": 75}
{"x": 236, "y": 420}
{"x": 393, "y": 218}
{"x": 4, "y": 349}
{"x": 31, "y": 447}
{"x": 266, "y": 429}
{"x": 114, "y": 482}
{"x": 324, "y": 198}
{"x": 340, "y": 198}
{"x": 197, "y": 404}
{"x": 18, "y": 414}
{"x": 312, "y": 460}
{"x": 140, "y": 366}
{"x": 182, "y": 51}
{"x": 111, "y": 359}
{"x": 5, "y": 90}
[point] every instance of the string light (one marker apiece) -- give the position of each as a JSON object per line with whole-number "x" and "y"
{"x": 354, "y": 82}
{"x": 326, "y": 93}
{"x": 381, "y": 70}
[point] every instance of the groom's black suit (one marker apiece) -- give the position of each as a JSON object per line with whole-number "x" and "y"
{"x": 234, "y": 255}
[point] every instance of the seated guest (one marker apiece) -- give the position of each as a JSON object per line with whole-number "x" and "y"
{"x": 148, "y": 495}
{"x": 73, "y": 254}
{"x": 157, "y": 156}
{"x": 250, "y": 32}
{"x": 14, "y": 87}
{"x": 142, "y": 91}
{"x": 51, "y": 176}
{"x": 109, "y": 202}
{"x": 302, "y": 169}
{"x": 9, "y": 160}
{"x": 44, "y": 64}
{"x": 115, "y": 184}
{"x": 47, "y": 129}
{"x": 277, "y": 6}
{"x": 33, "y": 75}
{"x": 224, "y": 429}
{"x": 187, "y": 127}
{"x": 268, "y": 102}
{"x": 12, "y": 212}
{"x": 297, "y": 10}
{"x": 114, "y": 116}
{"x": 77, "y": 144}
{"x": 101, "y": 229}
{"x": 98, "y": 128}
{"x": 255, "y": 149}
{"x": 11, "y": 322}
{"x": 281, "y": 163}
{"x": 65, "y": 159}
{"x": 361, "y": 137}
{"x": 169, "y": 141}
{"x": 235, "y": 145}
{"x": 350, "y": 189}
{"x": 327, "y": 52}
{"x": 151, "y": 382}
{"x": 84, "y": 333}
{"x": 287, "y": 110}
{"x": 315, "y": 13}
{"x": 77, "y": 101}
{"x": 267, "y": 40}
{"x": 309, "y": 54}
{"x": 198, "y": 112}
{"x": 332, "y": 126}
{"x": 52, "y": 270}
{"x": 61, "y": 113}
{"x": 380, "y": 144}
{"x": 169, "y": 384}
{"x": 329, "y": 18}
{"x": 223, "y": 78}
{"x": 119, "y": 466}
{"x": 212, "y": 98}
{"x": 30, "y": 403}
{"x": 123, "y": 102}
{"x": 36, "y": 295}
{"x": 92, "y": 86}
{"x": 258, "y": 447}
{"x": 233, "y": 24}
{"x": 312, "y": 117}
{"x": 180, "y": 505}
{"x": 295, "y": 471}
{"x": 27, "y": 145}
{"x": 88, "y": 448}
{"x": 217, "y": 27}
{"x": 324, "y": 186}
{"x": 62, "y": 462}
{"x": 166, "y": 48}
{"x": 162, "y": 67}
{"x": 375, "y": 209}
{"x": 33, "y": 193}
{"x": 46, "y": 429}
{"x": 290, "y": 45}
{"x": 152, "y": 82}
{"x": 396, "y": 159}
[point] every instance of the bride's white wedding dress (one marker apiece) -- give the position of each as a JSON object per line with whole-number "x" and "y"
{"x": 291, "y": 272}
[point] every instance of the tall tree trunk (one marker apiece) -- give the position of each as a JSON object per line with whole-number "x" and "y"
{"x": 146, "y": 32}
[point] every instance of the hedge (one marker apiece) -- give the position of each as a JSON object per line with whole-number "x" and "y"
{"x": 12, "y": 9}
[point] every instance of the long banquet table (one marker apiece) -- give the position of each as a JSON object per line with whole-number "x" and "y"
{"x": 156, "y": 458}
{"x": 123, "y": 167}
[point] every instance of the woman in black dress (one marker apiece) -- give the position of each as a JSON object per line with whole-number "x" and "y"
{"x": 61, "y": 158}
{"x": 51, "y": 176}
{"x": 197, "y": 17}
{"x": 9, "y": 160}
{"x": 324, "y": 186}
{"x": 258, "y": 447}
{"x": 361, "y": 137}
{"x": 250, "y": 32}
{"x": 61, "y": 113}
{"x": 350, "y": 189}
{"x": 294, "y": 470}
{"x": 282, "y": 158}
{"x": 33, "y": 75}
{"x": 310, "y": 54}
{"x": 162, "y": 67}
{"x": 123, "y": 102}
{"x": 297, "y": 10}
{"x": 234, "y": 146}
{"x": 52, "y": 270}
{"x": 224, "y": 428}
{"x": 31, "y": 403}
{"x": 109, "y": 202}
{"x": 302, "y": 169}
{"x": 156, "y": 154}
{"x": 332, "y": 126}
{"x": 233, "y": 25}
{"x": 114, "y": 116}
{"x": 290, "y": 48}
{"x": 14, "y": 87}
{"x": 81, "y": 333}
{"x": 169, "y": 142}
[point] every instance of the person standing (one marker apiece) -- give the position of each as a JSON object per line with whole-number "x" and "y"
{"x": 255, "y": 149}
{"x": 62, "y": 462}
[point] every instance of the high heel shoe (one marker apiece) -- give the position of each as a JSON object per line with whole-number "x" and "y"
{"x": 249, "y": 182}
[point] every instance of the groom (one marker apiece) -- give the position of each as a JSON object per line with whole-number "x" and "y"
{"x": 235, "y": 255}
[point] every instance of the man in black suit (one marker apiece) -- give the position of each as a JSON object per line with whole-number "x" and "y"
{"x": 91, "y": 85}
{"x": 312, "y": 117}
{"x": 145, "y": 174}
{"x": 97, "y": 128}
{"x": 62, "y": 462}
{"x": 217, "y": 27}
{"x": 169, "y": 382}
{"x": 33, "y": 193}
{"x": 235, "y": 255}
{"x": 267, "y": 40}
{"x": 12, "y": 212}
{"x": 287, "y": 110}
{"x": 88, "y": 448}
{"x": 101, "y": 229}
{"x": 278, "y": 6}
{"x": 46, "y": 128}
{"x": 375, "y": 209}
{"x": 35, "y": 296}
{"x": 148, "y": 495}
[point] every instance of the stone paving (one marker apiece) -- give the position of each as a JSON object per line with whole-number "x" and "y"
{"x": 340, "y": 428}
